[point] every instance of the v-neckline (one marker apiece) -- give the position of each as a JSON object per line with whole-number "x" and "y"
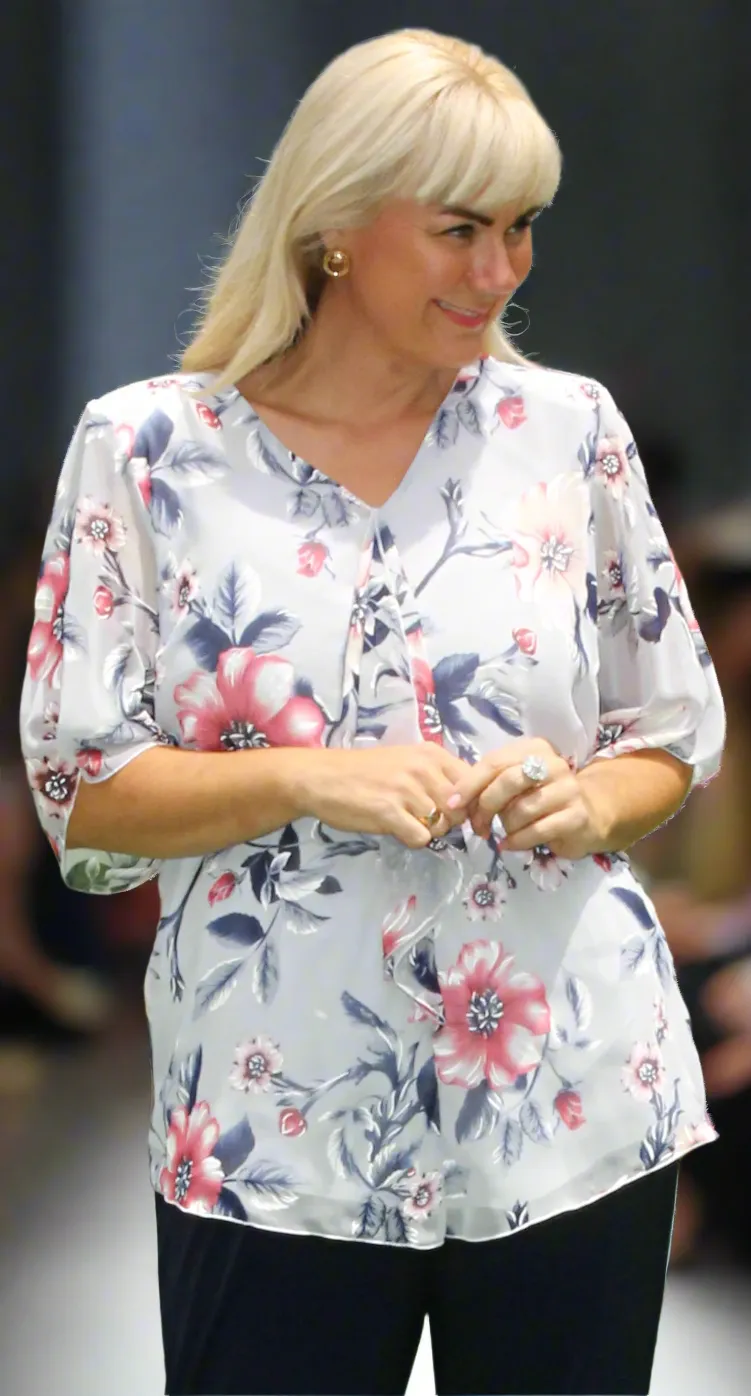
{"x": 239, "y": 407}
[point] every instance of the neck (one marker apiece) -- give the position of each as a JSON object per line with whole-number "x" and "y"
{"x": 342, "y": 372}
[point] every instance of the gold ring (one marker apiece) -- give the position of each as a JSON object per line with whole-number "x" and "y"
{"x": 430, "y": 820}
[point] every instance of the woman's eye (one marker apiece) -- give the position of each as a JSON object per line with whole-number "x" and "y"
{"x": 462, "y": 231}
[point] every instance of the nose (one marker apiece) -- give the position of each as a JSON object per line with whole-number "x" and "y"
{"x": 493, "y": 271}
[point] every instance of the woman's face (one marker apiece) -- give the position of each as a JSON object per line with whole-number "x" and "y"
{"x": 428, "y": 279}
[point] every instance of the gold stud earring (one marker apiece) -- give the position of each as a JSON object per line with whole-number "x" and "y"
{"x": 336, "y": 263}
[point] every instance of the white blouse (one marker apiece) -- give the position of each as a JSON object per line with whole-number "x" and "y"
{"x": 350, "y": 1038}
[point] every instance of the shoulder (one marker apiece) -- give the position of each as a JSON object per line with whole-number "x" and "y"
{"x": 547, "y": 391}
{"x": 159, "y": 407}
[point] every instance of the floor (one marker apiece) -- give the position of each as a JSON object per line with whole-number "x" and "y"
{"x": 78, "y": 1300}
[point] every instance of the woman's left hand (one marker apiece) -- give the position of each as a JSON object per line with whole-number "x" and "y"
{"x": 555, "y": 811}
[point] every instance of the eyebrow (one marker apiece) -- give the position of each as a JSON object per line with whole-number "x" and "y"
{"x": 458, "y": 211}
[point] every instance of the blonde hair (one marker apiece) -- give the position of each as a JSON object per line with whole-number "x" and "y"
{"x": 409, "y": 115}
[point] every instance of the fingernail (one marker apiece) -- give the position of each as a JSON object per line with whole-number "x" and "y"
{"x": 454, "y": 801}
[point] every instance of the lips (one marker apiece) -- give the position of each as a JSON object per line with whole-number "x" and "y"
{"x": 471, "y": 319}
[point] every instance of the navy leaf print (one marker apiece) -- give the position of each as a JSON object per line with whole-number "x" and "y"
{"x": 427, "y": 1091}
{"x": 334, "y": 508}
{"x": 632, "y": 954}
{"x": 358, "y": 1011}
{"x": 269, "y": 631}
{"x": 512, "y": 1140}
{"x": 391, "y": 1164}
{"x": 518, "y": 1216}
{"x": 663, "y": 960}
{"x": 469, "y": 416}
{"x": 652, "y": 627}
{"x": 340, "y": 1155}
{"x": 454, "y": 674}
{"x": 636, "y": 905}
{"x": 259, "y": 865}
{"x": 422, "y": 963}
{"x": 188, "y": 1077}
{"x": 153, "y": 437}
{"x": 304, "y": 504}
{"x": 396, "y": 1227}
{"x": 328, "y": 886}
{"x": 478, "y": 1114}
{"x": 232, "y": 1147}
{"x": 228, "y": 1205}
{"x": 289, "y": 843}
{"x": 446, "y": 428}
{"x": 533, "y": 1124}
{"x": 166, "y": 511}
{"x": 591, "y": 596}
{"x": 270, "y": 1186}
{"x": 207, "y": 641}
{"x": 197, "y": 461}
{"x": 231, "y": 595}
{"x": 266, "y": 973}
{"x": 588, "y": 454}
{"x": 237, "y": 927}
{"x": 487, "y": 708}
{"x": 215, "y": 988}
{"x": 371, "y": 1218}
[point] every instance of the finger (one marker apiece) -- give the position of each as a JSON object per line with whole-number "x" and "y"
{"x": 507, "y": 776}
{"x": 552, "y": 829}
{"x": 727, "y": 1067}
{"x": 533, "y": 803}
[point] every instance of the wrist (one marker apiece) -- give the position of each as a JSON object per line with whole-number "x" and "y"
{"x": 600, "y": 808}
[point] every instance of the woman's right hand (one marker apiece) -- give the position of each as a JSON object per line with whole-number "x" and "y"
{"x": 380, "y": 790}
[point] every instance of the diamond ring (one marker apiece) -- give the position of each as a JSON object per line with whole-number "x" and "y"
{"x": 535, "y": 769}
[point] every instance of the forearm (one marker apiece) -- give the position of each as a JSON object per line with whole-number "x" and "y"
{"x": 169, "y": 803}
{"x": 632, "y": 795}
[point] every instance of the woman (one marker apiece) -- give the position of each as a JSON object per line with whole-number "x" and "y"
{"x": 351, "y": 606}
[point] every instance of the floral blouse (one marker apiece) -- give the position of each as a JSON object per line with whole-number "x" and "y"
{"x": 351, "y": 1038}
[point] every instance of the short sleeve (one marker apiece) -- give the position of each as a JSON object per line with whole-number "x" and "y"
{"x": 87, "y": 706}
{"x": 657, "y": 684}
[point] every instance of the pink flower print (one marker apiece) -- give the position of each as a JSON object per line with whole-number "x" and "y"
{"x": 613, "y": 573}
{"x": 526, "y": 640}
{"x": 184, "y": 588}
{"x": 549, "y": 557}
{"x": 603, "y": 860}
{"x": 51, "y": 715}
{"x": 511, "y": 412}
{"x": 569, "y": 1106}
{"x": 702, "y": 1133}
{"x": 644, "y": 1073}
{"x": 292, "y": 1123}
{"x": 104, "y": 602}
{"x": 255, "y": 1063}
{"x": 493, "y": 1019}
{"x": 208, "y": 416}
{"x": 99, "y": 528}
{"x": 125, "y": 437}
{"x": 662, "y": 1027}
{"x": 154, "y": 384}
{"x": 396, "y": 924}
{"x": 141, "y": 472}
{"x": 424, "y": 1196}
{"x": 612, "y": 464}
{"x": 222, "y": 888}
{"x": 484, "y": 900}
{"x": 311, "y": 558}
{"x": 591, "y": 390}
{"x": 54, "y": 782}
{"x": 546, "y": 871}
{"x": 429, "y": 718}
{"x": 90, "y": 760}
{"x": 192, "y": 1178}
{"x": 249, "y": 702}
{"x": 46, "y": 640}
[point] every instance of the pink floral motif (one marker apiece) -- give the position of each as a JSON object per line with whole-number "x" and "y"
{"x": 702, "y": 1133}
{"x": 192, "y": 1178}
{"x": 591, "y": 390}
{"x": 484, "y": 900}
{"x": 603, "y": 860}
{"x": 612, "y": 464}
{"x": 311, "y": 557}
{"x": 424, "y": 1196}
{"x": 141, "y": 473}
{"x": 255, "y": 1063}
{"x": 662, "y": 1026}
{"x": 222, "y": 888}
{"x": 546, "y": 871}
{"x": 99, "y": 528}
{"x": 46, "y": 640}
{"x": 549, "y": 557}
{"x": 104, "y": 602}
{"x": 494, "y": 1019}
{"x": 569, "y": 1106}
{"x": 292, "y": 1123}
{"x": 511, "y": 412}
{"x": 613, "y": 574}
{"x": 55, "y": 782}
{"x": 208, "y": 416}
{"x": 526, "y": 640}
{"x": 431, "y": 727}
{"x": 89, "y": 760}
{"x": 395, "y": 928}
{"x": 644, "y": 1073}
{"x": 184, "y": 587}
{"x": 249, "y": 702}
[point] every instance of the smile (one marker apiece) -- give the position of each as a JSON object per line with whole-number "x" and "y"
{"x": 470, "y": 318}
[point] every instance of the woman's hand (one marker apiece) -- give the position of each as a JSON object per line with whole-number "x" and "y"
{"x": 380, "y": 790}
{"x": 555, "y": 812}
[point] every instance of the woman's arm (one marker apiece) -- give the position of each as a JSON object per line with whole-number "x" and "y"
{"x": 631, "y": 795}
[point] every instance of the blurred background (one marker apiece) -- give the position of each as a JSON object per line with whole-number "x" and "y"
{"x": 131, "y": 131}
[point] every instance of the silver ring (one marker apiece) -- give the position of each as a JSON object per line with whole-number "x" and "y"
{"x": 535, "y": 769}
{"x": 430, "y": 820}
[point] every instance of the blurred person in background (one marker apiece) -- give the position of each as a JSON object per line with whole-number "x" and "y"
{"x": 700, "y": 866}
{"x": 382, "y": 726}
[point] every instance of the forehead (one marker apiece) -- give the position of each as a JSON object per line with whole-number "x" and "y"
{"x": 411, "y": 213}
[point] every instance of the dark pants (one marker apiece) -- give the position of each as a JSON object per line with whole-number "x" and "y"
{"x": 570, "y": 1305}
